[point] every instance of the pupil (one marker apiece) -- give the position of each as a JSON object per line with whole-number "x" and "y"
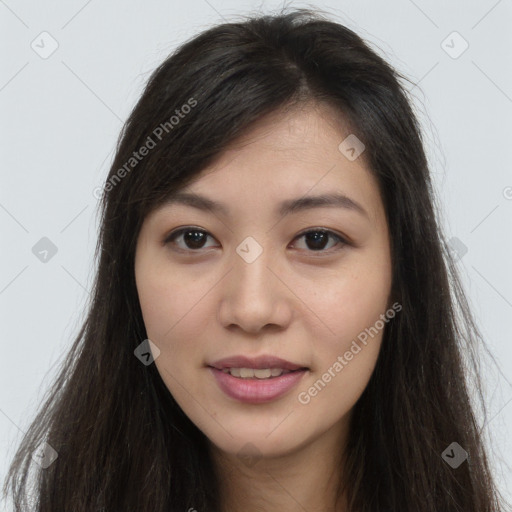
{"x": 318, "y": 238}
{"x": 196, "y": 241}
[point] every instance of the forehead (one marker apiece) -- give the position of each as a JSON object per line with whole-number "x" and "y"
{"x": 288, "y": 155}
{"x": 294, "y": 131}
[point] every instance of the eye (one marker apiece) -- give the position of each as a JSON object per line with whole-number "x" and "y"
{"x": 192, "y": 239}
{"x": 317, "y": 239}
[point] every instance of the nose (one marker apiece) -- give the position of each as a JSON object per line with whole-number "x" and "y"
{"x": 254, "y": 296}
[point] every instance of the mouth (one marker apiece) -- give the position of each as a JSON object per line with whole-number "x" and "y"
{"x": 261, "y": 367}
{"x": 256, "y": 380}
{"x": 257, "y": 373}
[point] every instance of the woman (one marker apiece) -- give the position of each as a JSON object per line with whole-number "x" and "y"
{"x": 276, "y": 321}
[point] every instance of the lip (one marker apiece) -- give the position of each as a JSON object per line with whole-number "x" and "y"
{"x": 257, "y": 391}
{"x": 264, "y": 361}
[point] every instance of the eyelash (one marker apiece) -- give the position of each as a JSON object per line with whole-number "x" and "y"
{"x": 331, "y": 234}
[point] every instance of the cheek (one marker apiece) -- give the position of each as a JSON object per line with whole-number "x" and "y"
{"x": 177, "y": 314}
{"x": 352, "y": 300}
{"x": 174, "y": 316}
{"x": 346, "y": 353}
{"x": 169, "y": 302}
{"x": 345, "y": 360}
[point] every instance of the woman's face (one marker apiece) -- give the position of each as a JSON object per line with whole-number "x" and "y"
{"x": 303, "y": 289}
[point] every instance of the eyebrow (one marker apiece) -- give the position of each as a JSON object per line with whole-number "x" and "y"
{"x": 333, "y": 200}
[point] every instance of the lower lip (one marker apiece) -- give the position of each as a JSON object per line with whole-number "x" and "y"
{"x": 256, "y": 391}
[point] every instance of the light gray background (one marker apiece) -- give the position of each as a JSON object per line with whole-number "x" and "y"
{"x": 61, "y": 116}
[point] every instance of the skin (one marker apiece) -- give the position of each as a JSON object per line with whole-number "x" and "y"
{"x": 301, "y": 304}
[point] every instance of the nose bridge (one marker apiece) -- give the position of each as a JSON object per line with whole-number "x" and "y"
{"x": 251, "y": 263}
{"x": 254, "y": 296}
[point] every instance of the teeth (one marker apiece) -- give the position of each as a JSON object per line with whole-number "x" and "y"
{"x": 259, "y": 373}
{"x": 246, "y": 373}
{"x": 263, "y": 373}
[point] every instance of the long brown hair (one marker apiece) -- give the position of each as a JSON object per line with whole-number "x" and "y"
{"x": 123, "y": 443}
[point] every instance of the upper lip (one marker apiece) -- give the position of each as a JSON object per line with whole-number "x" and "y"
{"x": 264, "y": 361}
